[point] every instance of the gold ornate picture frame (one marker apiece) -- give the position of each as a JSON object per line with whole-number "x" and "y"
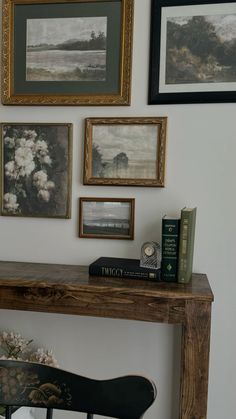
{"x": 125, "y": 151}
{"x": 106, "y": 218}
{"x": 36, "y": 175}
{"x": 87, "y": 63}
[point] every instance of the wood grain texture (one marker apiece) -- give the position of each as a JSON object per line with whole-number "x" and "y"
{"x": 195, "y": 360}
{"x": 70, "y": 290}
{"x": 76, "y": 278}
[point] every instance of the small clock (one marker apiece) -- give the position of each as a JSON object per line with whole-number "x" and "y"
{"x": 150, "y": 255}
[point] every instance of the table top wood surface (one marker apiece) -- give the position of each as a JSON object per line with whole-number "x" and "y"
{"x": 75, "y": 277}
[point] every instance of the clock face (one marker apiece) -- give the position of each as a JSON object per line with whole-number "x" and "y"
{"x": 149, "y": 250}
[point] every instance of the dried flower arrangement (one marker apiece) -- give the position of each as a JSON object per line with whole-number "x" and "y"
{"x": 14, "y": 346}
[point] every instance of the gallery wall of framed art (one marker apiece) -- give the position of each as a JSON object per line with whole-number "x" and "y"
{"x": 39, "y": 216}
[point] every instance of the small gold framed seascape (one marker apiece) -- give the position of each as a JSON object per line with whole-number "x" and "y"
{"x": 106, "y": 218}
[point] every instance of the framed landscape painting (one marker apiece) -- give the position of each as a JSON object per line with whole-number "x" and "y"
{"x": 125, "y": 151}
{"x": 67, "y": 52}
{"x": 192, "y": 56}
{"x": 106, "y": 218}
{"x": 36, "y": 170}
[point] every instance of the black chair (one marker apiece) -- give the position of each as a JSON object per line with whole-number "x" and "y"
{"x": 37, "y": 385}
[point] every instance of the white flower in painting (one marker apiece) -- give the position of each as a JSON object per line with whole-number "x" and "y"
{"x": 10, "y": 202}
{"x": 44, "y": 195}
{"x": 50, "y": 185}
{"x": 23, "y": 156}
{"x": 30, "y": 134}
{"x": 11, "y": 170}
{"x": 30, "y": 144}
{"x": 47, "y": 160}
{"x": 20, "y": 142}
{"x": 25, "y": 161}
{"x": 9, "y": 142}
{"x": 41, "y": 147}
{"x": 40, "y": 179}
{"x": 27, "y": 170}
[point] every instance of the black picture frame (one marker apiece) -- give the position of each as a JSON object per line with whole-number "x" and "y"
{"x": 201, "y": 91}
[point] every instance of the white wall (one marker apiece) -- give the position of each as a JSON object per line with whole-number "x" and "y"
{"x": 200, "y": 171}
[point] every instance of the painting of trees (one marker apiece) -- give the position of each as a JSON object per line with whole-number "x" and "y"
{"x": 200, "y": 49}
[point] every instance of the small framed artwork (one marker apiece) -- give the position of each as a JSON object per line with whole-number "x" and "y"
{"x": 192, "y": 55}
{"x": 67, "y": 52}
{"x": 106, "y": 218}
{"x": 36, "y": 170}
{"x": 125, "y": 151}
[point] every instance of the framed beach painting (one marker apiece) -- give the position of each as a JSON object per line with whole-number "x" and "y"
{"x": 36, "y": 170}
{"x": 125, "y": 151}
{"x": 192, "y": 55}
{"x": 106, "y": 218}
{"x": 67, "y": 52}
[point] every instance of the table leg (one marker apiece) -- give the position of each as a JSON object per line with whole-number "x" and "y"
{"x": 195, "y": 360}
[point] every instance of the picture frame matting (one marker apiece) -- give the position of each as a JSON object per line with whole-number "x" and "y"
{"x": 192, "y": 52}
{"x": 88, "y": 63}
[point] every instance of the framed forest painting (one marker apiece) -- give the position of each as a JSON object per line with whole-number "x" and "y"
{"x": 67, "y": 52}
{"x": 36, "y": 170}
{"x": 193, "y": 51}
{"x": 125, "y": 151}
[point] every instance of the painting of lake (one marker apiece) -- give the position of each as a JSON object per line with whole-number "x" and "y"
{"x": 125, "y": 151}
{"x": 66, "y": 49}
{"x": 106, "y": 218}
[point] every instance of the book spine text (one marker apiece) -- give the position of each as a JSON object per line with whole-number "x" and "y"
{"x": 170, "y": 247}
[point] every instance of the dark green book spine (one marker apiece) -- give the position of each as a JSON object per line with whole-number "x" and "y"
{"x": 170, "y": 247}
{"x": 186, "y": 244}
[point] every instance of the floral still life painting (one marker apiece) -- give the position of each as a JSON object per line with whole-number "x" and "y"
{"x": 36, "y": 170}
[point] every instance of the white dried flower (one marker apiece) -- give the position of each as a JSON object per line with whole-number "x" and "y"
{"x": 14, "y": 346}
{"x": 44, "y": 357}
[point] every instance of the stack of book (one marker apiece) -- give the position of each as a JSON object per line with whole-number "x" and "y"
{"x": 177, "y": 246}
{"x": 177, "y": 254}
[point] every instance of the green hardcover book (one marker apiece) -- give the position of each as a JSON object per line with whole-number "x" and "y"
{"x": 170, "y": 248}
{"x": 186, "y": 244}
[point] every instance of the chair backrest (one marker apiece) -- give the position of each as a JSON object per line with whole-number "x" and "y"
{"x": 37, "y": 385}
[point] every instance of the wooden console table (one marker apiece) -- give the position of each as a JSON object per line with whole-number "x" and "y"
{"x": 69, "y": 290}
